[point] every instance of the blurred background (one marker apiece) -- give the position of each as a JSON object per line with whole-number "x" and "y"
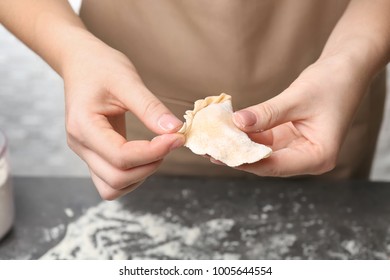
{"x": 32, "y": 116}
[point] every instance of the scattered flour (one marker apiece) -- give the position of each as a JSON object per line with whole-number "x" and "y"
{"x": 50, "y": 234}
{"x": 275, "y": 247}
{"x": 108, "y": 231}
{"x": 268, "y": 208}
{"x": 69, "y": 212}
{"x": 351, "y": 246}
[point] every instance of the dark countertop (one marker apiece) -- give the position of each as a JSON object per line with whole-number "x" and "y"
{"x": 189, "y": 218}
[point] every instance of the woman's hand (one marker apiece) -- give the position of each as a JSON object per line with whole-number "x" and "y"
{"x": 101, "y": 84}
{"x": 306, "y": 124}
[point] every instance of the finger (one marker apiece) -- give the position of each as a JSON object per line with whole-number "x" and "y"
{"x": 279, "y": 137}
{"x": 115, "y": 178}
{"x": 114, "y": 148}
{"x": 307, "y": 159}
{"x": 265, "y": 137}
{"x": 146, "y": 106}
{"x": 285, "y": 107}
{"x": 108, "y": 193}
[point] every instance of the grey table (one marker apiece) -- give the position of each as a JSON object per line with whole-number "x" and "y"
{"x": 202, "y": 218}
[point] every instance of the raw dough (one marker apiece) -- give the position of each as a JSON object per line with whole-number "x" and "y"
{"x": 209, "y": 130}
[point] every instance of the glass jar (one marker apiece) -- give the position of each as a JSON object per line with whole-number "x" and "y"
{"x": 6, "y": 193}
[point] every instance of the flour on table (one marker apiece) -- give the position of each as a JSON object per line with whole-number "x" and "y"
{"x": 108, "y": 231}
{"x": 69, "y": 212}
{"x": 50, "y": 234}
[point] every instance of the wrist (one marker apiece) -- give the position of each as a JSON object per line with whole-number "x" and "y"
{"x": 359, "y": 60}
{"x": 72, "y": 48}
{"x": 48, "y": 27}
{"x": 362, "y": 36}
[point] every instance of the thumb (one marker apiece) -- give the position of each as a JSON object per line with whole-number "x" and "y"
{"x": 280, "y": 109}
{"x": 149, "y": 109}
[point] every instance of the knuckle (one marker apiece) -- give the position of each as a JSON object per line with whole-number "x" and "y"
{"x": 121, "y": 162}
{"x": 105, "y": 192}
{"x": 73, "y": 135}
{"x": 73, "y": 129}
{"x": 152, "y": 107}
{"x": 156, "y": 155}
{"x": 116, "y": 182}
{"x": 328, "y": 165}
{"x": 269, "y": 114}
{"x": 70, "y": 142}
{"x": 71, "y": 126}
{"x": 108, "y": 194}
{"x": 326, "y": 161}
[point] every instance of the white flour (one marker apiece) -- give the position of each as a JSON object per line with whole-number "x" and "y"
{"x": 111, "y": 231}
{"x": 108, "y": 231}
{"x": 50, "y": 234}
{"x": 69, "y": 212}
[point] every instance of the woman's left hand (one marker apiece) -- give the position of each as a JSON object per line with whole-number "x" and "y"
{"x": 306, "y": 124}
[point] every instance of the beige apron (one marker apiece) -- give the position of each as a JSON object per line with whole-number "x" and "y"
{"x": 253, "y": 49}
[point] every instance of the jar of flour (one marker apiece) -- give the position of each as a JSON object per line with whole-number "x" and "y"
{"x": 6, "y": 194}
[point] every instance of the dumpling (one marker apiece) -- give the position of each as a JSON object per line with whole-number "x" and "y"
{"x": 209, "y": 130}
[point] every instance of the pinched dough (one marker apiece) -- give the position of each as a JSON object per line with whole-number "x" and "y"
{"x": 209, "y": 130}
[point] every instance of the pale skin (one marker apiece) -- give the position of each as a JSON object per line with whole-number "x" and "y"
{"x": 306, "y": 124}
{"x": 101, "y": 84}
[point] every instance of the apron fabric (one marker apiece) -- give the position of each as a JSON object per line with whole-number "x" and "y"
{"x": 185, "y": 50}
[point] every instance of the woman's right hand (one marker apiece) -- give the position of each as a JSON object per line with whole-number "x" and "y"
{"x": 101, "y": 84}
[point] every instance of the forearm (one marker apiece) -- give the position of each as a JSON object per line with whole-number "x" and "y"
{"x": 362, "y": 37}
{"x": 50, "y": 28}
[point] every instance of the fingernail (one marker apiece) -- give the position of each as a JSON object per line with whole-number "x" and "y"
{"x": 177, "y": 144}
{"x": 244, "y": 118}
{"x": 169, "y": 123}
